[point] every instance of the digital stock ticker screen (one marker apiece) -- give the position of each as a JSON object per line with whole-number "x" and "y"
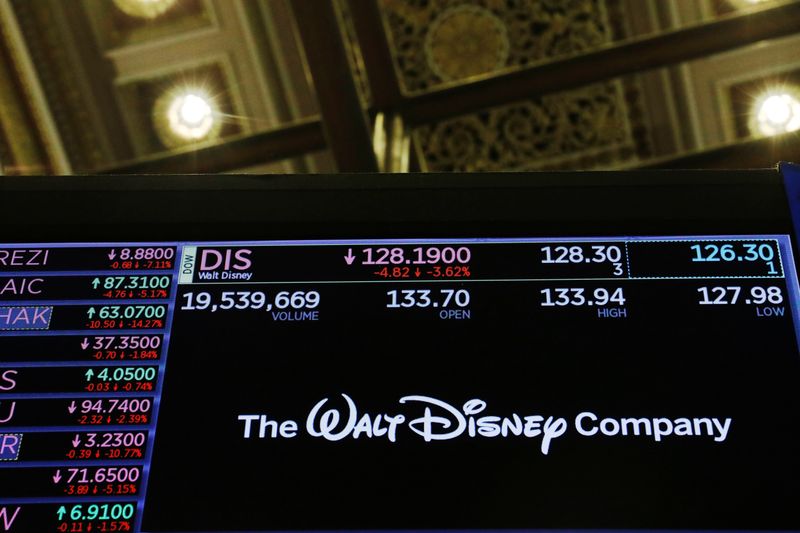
{"x": 466, "y": 383}
{"x": 528, "y": 352}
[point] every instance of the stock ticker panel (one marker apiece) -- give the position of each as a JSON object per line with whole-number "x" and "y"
{"x": 628, "y": 382}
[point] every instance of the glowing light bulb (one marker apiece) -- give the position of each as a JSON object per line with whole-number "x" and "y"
{"x": 191, "y": 116}
{"x": 776, "y": 112}
{"x": 186, "y": 114}
{"x": 147, "y": 9}
{"x": 745, "y": 4}
{"x": 194, "y": 110}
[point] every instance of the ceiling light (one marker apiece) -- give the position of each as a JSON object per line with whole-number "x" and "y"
{"x": 186, "y": 115}
{"x": 776, "y": 111}
{"x": 744, "y": 4}
{"x": 190, "y": 116}
{"x": 148, "y": 9}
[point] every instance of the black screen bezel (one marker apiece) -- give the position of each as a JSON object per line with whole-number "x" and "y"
{"x": 241, "y": 207}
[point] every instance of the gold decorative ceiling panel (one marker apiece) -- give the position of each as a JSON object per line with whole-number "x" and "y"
{"x": 726, "y": 7}
{"x": 440, "y": 41}
{"x": 353, "y": 50}
{"x": 61, "y": 81}
{"x": 126, "y": 22}
{"x": 594, "y": 126}
{"x": 111, "y": 84}
{"x": 21, "y": 150}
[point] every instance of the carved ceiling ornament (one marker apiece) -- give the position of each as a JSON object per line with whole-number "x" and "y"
{"x": 60, "y": 83}
{"x": 445, "y": 41}
{"x": 353, "y": 50}
{"x": 587, "y": 127}
{"x": 439, "y": 41}
{"x": 466, "y": 41}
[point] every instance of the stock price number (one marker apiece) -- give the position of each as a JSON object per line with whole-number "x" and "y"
{"x": 121, "y": 378}
{"x": 105, "y": 511}
{"x": 130, "y": 287}
{"x": 111, "y": 445}
{"x": 747, "y": 252}
{"x": 132, "y": 282}
{"x": 111, "y": 440}
{"x": 108, "y": 481}
{"x": 580, "y": 297}
{"x": 732, "y": 295}
{"x": 418, "y": 256}
{"x": 103, "y": 474}
{"x": 123, "y": 373}
{"x": 422, "y": 298}
{"x": 250, "y": 300}
{"x": 127, "y": 311}
{"x": 124, "y": 342}
{"x": 126, "y": 316}
{"x": 564, "y": 255}
{"x": 146, "y": 258}
{"x": 126, "y": 254}
{"x": 116, "y": 405}
{"x": 123, "y": 347}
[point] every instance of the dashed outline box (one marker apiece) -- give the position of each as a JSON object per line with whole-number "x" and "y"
{"x": 49, "y": 317}
{"x": 19, "y": 445}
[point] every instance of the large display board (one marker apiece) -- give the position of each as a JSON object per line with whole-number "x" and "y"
{"x": 590, "y": 380}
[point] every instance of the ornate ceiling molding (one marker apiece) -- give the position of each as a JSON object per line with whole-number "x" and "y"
{"x": 600, "y": 125}
{"x": 29, "y": 140}
{"x": 435, "y": 42}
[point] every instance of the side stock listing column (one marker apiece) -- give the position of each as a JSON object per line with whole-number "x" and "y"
{"x": 84, "y": 331}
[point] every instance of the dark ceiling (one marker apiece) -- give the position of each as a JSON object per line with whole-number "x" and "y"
{"x": 89, "y": 86}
